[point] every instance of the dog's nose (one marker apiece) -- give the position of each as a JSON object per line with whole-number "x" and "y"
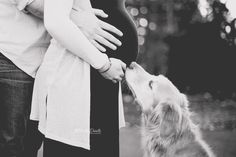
{"x": 131, "y": 66}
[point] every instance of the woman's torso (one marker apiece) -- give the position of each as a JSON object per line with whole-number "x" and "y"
{"x": 119, "y": 17}
{"x": 63, "y": 82}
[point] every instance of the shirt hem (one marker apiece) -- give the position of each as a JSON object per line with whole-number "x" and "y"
{"x": 14, "y": 61}
{"x": 63, "y": 140}
{"x": 34, "y": 118}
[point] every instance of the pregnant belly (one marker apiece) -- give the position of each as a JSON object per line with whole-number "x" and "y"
{"x": 121, "y": 20}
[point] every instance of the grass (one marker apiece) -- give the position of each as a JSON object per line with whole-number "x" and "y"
{"x": 223, "y": 143}
{"x": 216, "y": 118}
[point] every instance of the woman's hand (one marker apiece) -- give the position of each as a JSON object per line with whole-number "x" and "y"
{"x": 114, "y": 71}
{"x": 96, "y": 30}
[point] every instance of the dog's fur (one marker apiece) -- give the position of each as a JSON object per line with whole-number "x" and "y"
{"x": 167, "y": 130}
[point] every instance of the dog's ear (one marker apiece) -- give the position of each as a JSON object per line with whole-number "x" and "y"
{"x": 170, "y": 116}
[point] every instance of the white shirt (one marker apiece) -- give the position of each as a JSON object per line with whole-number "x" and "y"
{"x": 61, "y": 97}
{"x": 63, "y": 81}
{"x": 23, "y": 37}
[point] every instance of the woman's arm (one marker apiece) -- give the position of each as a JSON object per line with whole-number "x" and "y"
{"x": 83, "y": 5}
{"x": 97, "y": 31}
{"x": 58, "y": 23}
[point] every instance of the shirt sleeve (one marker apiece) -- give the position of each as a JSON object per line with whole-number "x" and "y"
{"x": 21, "y": 4}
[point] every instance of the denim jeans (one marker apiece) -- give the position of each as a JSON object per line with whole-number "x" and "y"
{"x": 19, "y": 137}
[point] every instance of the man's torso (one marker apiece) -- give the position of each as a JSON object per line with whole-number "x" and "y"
{"x": 23, "y": 38}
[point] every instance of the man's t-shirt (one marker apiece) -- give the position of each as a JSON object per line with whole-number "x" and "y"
{"x": 23, "y": 37}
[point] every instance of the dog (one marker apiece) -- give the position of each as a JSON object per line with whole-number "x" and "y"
{"x": 167, "y": 130}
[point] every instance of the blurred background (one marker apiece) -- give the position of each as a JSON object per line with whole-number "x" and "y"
{"x": 193, "y": 43}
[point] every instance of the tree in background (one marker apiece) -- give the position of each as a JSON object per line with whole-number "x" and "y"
{"x": 177, "y": 38}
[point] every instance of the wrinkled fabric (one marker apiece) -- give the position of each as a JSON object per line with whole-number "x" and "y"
{"x": 15, "y": 100}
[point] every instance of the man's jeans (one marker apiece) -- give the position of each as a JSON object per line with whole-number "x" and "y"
{"x": 19, "y": 137}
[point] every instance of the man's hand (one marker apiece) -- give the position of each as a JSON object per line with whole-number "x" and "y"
{"x": 95, "y": 29}
{"x": 116, "y": 70}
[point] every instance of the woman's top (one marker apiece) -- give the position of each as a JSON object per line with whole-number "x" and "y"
{"x": 61, "y": 98}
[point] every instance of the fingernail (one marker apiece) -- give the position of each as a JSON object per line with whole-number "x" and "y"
{"x": 105, "y": 14}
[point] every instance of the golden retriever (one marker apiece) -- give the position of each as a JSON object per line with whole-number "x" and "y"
{"x": 167, "y": 130}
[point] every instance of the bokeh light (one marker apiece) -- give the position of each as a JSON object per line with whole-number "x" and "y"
{"x": 204, "y": 8}
{"x": 141, "y": 31}
{"x": 141, "y": 40}
{"x": 228, "y": 29}
{"x": 231, "y": 4}
{"x": 152, "y": 26}
{"x": 143, "y": 22}
{"x": 143, "y": 10}
{"x": 134, "y": 11}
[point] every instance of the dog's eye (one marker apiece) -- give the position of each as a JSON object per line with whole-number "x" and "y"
{"x": 150, "y": 83}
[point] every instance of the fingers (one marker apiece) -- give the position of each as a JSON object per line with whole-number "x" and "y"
{"x": 105, "y": 42}
{"x": 109, "y": 37}
{"x": 110, "y": 28}
{"x": 114, "y": 81}
{"x": 120, "y": 77}
{"x": 99, "y": 12}
{"x": 123, "y": 65}
{"x": 106, "y": 26}
{"x": 116, "y": 72}
{"x": 117, "y": 80}
{"x": 98, "y": 46}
